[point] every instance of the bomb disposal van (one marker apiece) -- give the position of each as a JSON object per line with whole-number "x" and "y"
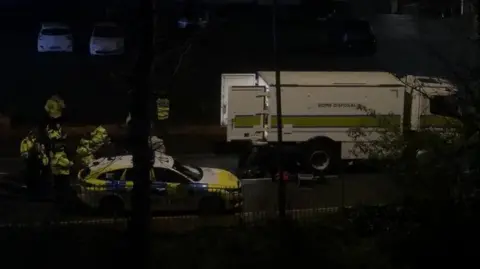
{"x": 107, "y": 185}
{"x": 319, "y": 109}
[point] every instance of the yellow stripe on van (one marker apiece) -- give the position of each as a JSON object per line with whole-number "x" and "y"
{"x": 321, "y": 121}
{"x": 246, "y": 121}
{"x": 438, "y": 121}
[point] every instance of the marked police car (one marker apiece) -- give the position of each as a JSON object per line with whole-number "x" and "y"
{"x": 107, "y": 184}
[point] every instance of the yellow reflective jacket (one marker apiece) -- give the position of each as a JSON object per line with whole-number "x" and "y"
{"x": 43, "y": 158}
{"x": 98, "y": 140}
{"x": 55, "y": 134}
{"x": 54, "y": 107}
{"x": 85, "y": 154}
{"x": 87, "y": 160}
{"x": 26, "y": 145}
{"x": 163, "y": 108}
{"x": 60, "y": 164}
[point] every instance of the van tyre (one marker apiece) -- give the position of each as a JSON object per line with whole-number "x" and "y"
{"x": 112, "y": 206}
{"x": 322, "y": 157}
{"x": 211, "y": 206}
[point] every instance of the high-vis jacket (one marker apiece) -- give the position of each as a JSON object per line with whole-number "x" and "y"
{"x": 163, "y": 108}
{"x": 61, "y": 164}
{"x": 157, "y": 144}
{"x": 55, "y": 133}
{"x": 54, "y": 107}
{"x": 42, "y": 156}
{"x": 26, "y": 146}
{"x": 85, "y": 153}
{"x": 99, "y": 138}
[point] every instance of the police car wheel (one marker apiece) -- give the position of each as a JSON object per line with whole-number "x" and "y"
{"x": 112, "y": 206}
{"x": 211, "y": 206}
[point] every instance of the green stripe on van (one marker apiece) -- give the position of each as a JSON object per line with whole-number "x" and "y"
{"x": 438, "y": 121}
{"x": 335, "y": 121}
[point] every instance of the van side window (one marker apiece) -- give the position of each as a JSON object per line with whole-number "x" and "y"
{"x": 443, "y": 106}
{"x": 112, "y": 175}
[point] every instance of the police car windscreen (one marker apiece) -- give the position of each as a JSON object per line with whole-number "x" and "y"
{"x": 191, "y": 171}
{"x": 84, "y": 173}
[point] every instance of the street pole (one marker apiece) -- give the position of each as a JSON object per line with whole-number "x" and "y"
{"x": 477, "y": 19}
{"x": 278, "y": 92}
{"x": 139, "y": 225}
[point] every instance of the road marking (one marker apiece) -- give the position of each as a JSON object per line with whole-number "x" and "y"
{"x": 195, "y": 156}
{"x": 259, "y": 214}
{"x": 3, "y": 173}
{"x": 256, "y": 179}
{"x": 270, "y": 179}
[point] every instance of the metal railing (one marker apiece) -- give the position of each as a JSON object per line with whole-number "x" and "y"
{"x": 182, "y": 207}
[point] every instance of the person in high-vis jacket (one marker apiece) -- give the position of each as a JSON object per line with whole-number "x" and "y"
{"x": 27, "y": 145}
{"x": 55, "y": 132}
{"x": 43, "y": 182}
{"x": 99, "y": 138}
{"x": 163, "y": 108}
{"x": 61, "y": 165}
{"x": 54, "y": 108}
{"x": 85, "y": 153}
{"x": 29, "y": 155}
{"x": 157, "y": 145}
{"x": 55, "y": 135}
{"x": 42, "y": 155}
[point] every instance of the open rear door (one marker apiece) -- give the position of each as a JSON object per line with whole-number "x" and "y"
{"x": 247, "y": 113}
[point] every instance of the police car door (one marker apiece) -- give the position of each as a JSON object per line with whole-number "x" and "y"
{"x": 157, "y": 190}
{"x": 105, "y": 184}
{"x": 158, "y": 194}
{"x": 179, "y": 192}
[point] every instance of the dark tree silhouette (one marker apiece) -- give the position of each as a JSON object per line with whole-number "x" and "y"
{"x": 139, "y": 225}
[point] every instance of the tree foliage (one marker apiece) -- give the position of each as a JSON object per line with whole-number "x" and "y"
{"x": 432, "y": 162}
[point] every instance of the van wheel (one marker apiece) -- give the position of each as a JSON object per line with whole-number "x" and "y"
{"x": 322, "y": 156}
{"x": 211, "y": 206}
{"x": 112, "y": 206}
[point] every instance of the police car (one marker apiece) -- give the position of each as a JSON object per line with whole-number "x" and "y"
{"x": 107, "y": 184}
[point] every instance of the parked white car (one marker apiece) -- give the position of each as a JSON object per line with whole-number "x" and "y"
{"x": 55, "y": 37}
{"x": 107, "y": 39}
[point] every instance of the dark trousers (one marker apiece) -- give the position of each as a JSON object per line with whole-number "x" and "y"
{"x": 32, "y": 174}
{"x": 61, "y": 186}
{"x": 45, "y": 182}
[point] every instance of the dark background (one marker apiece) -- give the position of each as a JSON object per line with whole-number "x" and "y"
{"x": 237, "y": 40}
{"x": 189, "y": 62}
